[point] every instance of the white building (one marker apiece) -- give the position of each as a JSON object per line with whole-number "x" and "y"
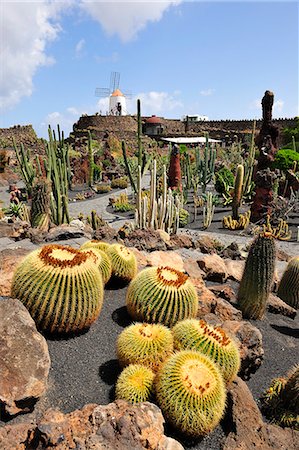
{"x": 117, "y": 103}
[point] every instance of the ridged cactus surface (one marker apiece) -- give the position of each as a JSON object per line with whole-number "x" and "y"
{"x": 257, "y": 278}
{"x": 124, "y": 263}
{"x": 191, "y": 393}
{"x": 143, "y": 343}
{"x": 162, "y": 295}
{"x": 102, "y": 260}
{"x": 135, "y": 384}
{"x": 288, "y": 289}
{"x": 61, "y": 287}
{"x": 212, "y": 341}
{"x": 100, "y": 245}
{"x": 40, "y": 205}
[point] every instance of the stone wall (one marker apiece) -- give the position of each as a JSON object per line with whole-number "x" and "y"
{"x": 21, "y": 134}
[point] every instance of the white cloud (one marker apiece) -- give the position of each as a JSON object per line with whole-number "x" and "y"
{"x": 157, "y": 103}
{"x": 26, "y": 28}
{"x": 126, "y": 18}
{"x": 278, "y": 106}
{"x": 207, "y": 92}
{"x": 79, "y": 47}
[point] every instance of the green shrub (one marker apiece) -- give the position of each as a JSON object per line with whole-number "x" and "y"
{"x": 224, "y": 178}
{"x": 119, "y": 183}
{"x": 183, "y": 217}
{"x": 285, "y": 158}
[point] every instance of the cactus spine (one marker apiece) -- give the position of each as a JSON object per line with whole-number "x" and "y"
{"x": 191, "y": 393}
{"x": 280, "y": 402}
{"x": 238, "y": 191}
{"x": 61, "y": 287}
{"x": 40, "y": 205}
{"x": 100, "y": 245}
{"x": 102, "y": 261}
{"x": 161, "y": 295}
{"x": 257, "y": 278}
{"x": 135, "y": 384}
{"x": 124, "y": 263}
{"x": 288, "y": 289}
{"x": 212, "y": 341}
{"x": 146, "y": 344}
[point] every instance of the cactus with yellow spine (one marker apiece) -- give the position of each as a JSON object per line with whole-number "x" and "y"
{"x": 102, "y": 260}
{"x": 99, "y": 245}
{"x": 212, "y": 341}
{"x": 135, "y": 384}
{"x": 124, "y": 262}
{"x": 257, "y": 277}
{"x": 61, "y": 287}
{"x": 240, "y": 224}
{"x": 162, "y": 295}
{"x": 288, "y": 289}
{"x": 146, "y": 344}
{"x": 191, "y": 393}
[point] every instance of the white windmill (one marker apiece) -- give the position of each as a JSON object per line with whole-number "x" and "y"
{"x": 117, "y": 99}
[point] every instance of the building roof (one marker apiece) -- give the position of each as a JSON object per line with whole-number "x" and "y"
{"x": 117, "y": 93}
{"x": 154, "y": 120}
{"x": 189, "y": 140}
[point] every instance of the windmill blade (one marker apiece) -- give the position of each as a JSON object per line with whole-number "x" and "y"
{"x": 128, "y": 94}
{"x": 114, "y": 81}
{"x": 102, "y": 92}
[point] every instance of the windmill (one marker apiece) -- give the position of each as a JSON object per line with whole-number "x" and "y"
{"x": 117, "y": 99}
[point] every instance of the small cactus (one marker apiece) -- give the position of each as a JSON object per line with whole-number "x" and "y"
{"x": 212, "y": 341}
{"x": 191, "y": 393}
{"x": 61, "y": 287}
{"x": 135, "y": 384}
{"x": 161, "y": 295}
{"x": 288, "y": 289}
{"x": 144, "y": 344}
{"x": 257, "y": 278}
{"x": 124, "y": 263}
{"x": 102, "y": 260}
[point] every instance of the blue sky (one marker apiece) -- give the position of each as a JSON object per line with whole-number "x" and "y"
{"x": 208, "y": 58}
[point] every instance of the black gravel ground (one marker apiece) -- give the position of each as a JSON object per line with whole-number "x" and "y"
{"x": 84, "y": 368}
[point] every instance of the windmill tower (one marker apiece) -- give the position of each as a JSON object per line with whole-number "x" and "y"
{"x": 117, "y": 99}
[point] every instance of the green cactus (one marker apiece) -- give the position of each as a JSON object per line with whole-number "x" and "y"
{"x": 288, "y": 289}
{"x": 28, "y": 170}
{"x": 40, "y": 205}
{"x": 146, "y": 344}
{"x": 91, "y": 160}
{"x": 100, "y": 245}
{"x": 257, "y": 278}
{"x": 238, "y": 190}
{"x": 135, "y": 384}
{"x": 161, "y": 295}
{"x": 102, "y": 260}
{"x": 124, "y": 262}
{"x": 212, "y": 341}
{"x": 280, "y": 402}
{"x": 61, "y": 287}
{"x": 206, "y": 166}
{"x": 191, "y": 393}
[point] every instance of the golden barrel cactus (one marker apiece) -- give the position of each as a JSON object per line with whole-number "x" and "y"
{"x": 61, "y": 287}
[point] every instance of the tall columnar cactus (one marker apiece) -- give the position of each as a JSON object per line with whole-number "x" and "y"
{"x": 238, "y": 191}
{"x": 206, "y": 166}
{"x": 257, "y": 278}
{"x": 212, "y": 341}
{"x": 280, "y": 403}
{"x": 139, "y": 133}
{"x": 102, "y": 260}
{"x": 61, "y": 287}
{"x": 249, "y": 166}
{"x": 57, "y": 171}
{"x": 40, "y": 205}
{"x": 161, "y": 295}
{"x": 91, "y": 160}
{"x": 135, "y": 384}
{"x": 130, "y": 175}
{"x": 100, "y": 245}
{"x": 146, "y": 344}
{"x": 288, "y": 289}
{"x": 191, "y": 393}
{"x": 124, "y": 263}
{"x": 27, "y": 168}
